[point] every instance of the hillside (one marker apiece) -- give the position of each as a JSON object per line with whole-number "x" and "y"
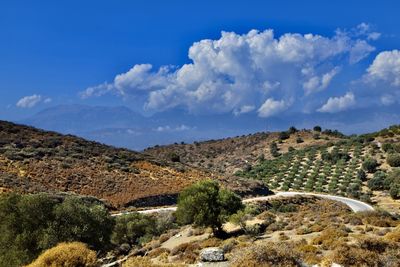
{"x": 227, "y": 156}
{"x": 32, "y": 160}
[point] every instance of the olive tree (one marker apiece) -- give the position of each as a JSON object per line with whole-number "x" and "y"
{"x": 206, "y": 204}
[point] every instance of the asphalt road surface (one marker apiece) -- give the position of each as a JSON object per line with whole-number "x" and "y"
{"x": 353, "y": 204}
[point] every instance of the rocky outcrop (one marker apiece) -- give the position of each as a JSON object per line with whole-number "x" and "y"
{"x": 212, "y": 255}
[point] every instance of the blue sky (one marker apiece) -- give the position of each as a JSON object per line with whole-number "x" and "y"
{"x": 52, "y": 51}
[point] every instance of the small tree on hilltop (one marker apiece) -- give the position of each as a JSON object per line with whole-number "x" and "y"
{"x": 317, "y": 128}
{"x": 206, "y": 204}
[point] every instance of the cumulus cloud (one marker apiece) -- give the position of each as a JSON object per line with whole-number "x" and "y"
{"x": 240, "y": 73}
{"x": 385, "y": 68}
{"x": 272, "y": 107}
{"x": 337, "y": 104}
{"x": 29, "y": 101}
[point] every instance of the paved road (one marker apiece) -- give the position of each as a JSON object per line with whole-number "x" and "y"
{"x": 353, "y": 204}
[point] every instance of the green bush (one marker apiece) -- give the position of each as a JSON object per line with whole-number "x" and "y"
{"x": 393, "y": 160}
{"x": 206, "y": 204}
{"x": 30, "y": 224}
{"x": 284, "y": 135}
{"x": 395, "y": 191}
{"x": 370, "y": 165}
{"x": 378, "y": 181}
{"x": 131, "y": 228}
{"x": 317, "y": 128}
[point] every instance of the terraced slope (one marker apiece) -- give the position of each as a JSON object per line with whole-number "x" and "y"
{"x": 32, "y": 160}
{"x": 227, "y": 156}
{"x": 336, "y": 168}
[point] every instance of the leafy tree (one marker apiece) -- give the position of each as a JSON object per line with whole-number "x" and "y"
{"x": 130, "y": 228}
{"x": 395, "y": 191}
{"x": 377, "y": 182}
{"x": 317, "y": 128}
{"x": 387, "y": 147}
{"x": 361, "y": 175}
{"x": 292, "y": 130}
{"x": 274, "y": 150}
{"x": 30, "y": 224}
{"x": 206, "y": 204}
{"x": 284, "y": 135}
{"x": 77, "y": 220}
{"x": 370, "y": 165}
{"x": 393, "y": 160}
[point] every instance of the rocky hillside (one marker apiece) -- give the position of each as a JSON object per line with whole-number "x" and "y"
{"x": 227, "y": 156}
{"x": 32, "y": 160}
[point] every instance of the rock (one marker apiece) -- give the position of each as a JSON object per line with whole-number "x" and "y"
{"x": 212, "y": 254}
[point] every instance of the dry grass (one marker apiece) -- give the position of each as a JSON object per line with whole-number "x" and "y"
{"x": 66, "y": 255}
{"x": 266, "y": 255}
{"x": 366, "y": 252}
{"x": 146, "y": 262}
{"x": 330, "y": 237}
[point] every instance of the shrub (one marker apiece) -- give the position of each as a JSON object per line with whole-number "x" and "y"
{"x": 299, "y": 140}
{"x": 67, "y": 255}
{"x": 284, "y": 135}
{"x": 317, "y": 128}
{"x": 370, "y": 165}
{"x": 377, "y": 182}
{"x": 329, "y": 237}
{"x": 270, "y": 254}
{"x": 131, "y": 228}
{"x": 206, "y": 204}
{"x": 33, "y": 223}
{"x": 292, "y": 130}
{"x": 395, "y": 191}
{"x": 393, "y": 160}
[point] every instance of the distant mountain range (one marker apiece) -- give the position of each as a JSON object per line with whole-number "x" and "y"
{"x": 122, "y": 127}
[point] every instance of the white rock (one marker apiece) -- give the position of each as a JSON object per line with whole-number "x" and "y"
{"x": 212, "y": 254}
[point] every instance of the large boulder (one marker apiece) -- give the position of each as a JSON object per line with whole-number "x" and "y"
{"x": 212, "y": 254}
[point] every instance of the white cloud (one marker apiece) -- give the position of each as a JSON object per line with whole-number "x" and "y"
{"x": 318, "y": 83}
{"x": 243, "y": 109}
{"x": 29, "y": 101}
{"x": 168, "y": 128}
{"x": 385, "y": 68}
{"x": 388, "y": 100}
{"x": 272, "y": 107}
{"x": 239, "y": 73}
{"x": 337, "y": 104}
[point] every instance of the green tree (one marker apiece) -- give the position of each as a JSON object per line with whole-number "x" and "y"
{"x": 378, "y": 181}
{"x": 206, "y": 204}
{"x": 393, "y": 160}
{"x": 370, "y": 165}
{"x": 78, "y": 220}
{"x": 395, "y": 191}
{"x": 131, "y": 228}
{"x": 317, "y": 128}
{"x": 30, "y": 224}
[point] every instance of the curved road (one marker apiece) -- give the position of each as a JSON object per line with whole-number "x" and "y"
{"x": 353, "y": 204}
